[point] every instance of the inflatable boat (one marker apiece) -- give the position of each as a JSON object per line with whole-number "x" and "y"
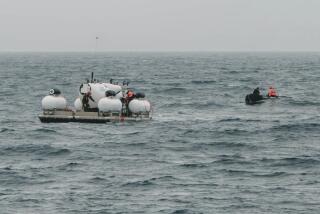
{"x": 252, "y": 99}
{"x": 97, "y": 102}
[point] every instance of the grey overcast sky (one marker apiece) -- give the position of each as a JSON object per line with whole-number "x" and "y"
{"x": 160, "y": 25}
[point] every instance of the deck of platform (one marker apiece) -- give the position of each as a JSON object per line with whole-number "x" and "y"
{"x": 87, "y": 117}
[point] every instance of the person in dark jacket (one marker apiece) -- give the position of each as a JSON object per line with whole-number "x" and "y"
{"x": 256, "y": 95}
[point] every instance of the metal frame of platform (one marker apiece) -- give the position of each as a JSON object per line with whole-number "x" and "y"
{"x": 88, "y": 117}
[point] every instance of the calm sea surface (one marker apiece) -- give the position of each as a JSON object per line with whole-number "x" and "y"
{"x": 205, "y": 151}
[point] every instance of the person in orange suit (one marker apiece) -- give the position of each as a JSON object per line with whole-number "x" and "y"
{"x": 272, "y": 92}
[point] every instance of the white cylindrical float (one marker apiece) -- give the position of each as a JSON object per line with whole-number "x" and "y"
{"x": 139, "y": 106}
{"x": 108, "y": 104}
{"x": 52, "y": 102}
{"x": 78, "y": 104}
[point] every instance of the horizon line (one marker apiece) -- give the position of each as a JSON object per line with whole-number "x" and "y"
{"x": 160, "y": 51}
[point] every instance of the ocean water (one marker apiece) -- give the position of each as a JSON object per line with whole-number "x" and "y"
{"x": 205, "y": 151}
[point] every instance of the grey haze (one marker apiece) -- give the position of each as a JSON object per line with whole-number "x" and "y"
{"x": 160, "y": 25}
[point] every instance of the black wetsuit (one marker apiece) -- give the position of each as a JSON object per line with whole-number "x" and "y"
{"x": 85, "y": 102}
{"x": 256, "y": 95}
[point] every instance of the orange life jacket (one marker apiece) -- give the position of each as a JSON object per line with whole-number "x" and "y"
{"x": 272, "y": 92}
{"x": 129, "y": 94}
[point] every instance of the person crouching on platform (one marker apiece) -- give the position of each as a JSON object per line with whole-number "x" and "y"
{"x": 130, "y": 95}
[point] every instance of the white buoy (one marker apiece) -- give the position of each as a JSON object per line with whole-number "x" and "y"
{"x": 51, "y": 102}
{"x": 109, "y": 105}
{"x": 139, "y": 106}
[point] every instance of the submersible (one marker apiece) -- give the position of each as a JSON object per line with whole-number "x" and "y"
{"x": 98, "y": 102}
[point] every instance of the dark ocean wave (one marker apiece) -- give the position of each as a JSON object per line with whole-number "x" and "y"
{"x": 97, "y": 180}
{"x": 232, "y": 159}
{"x": 296, "y": 127}
{"x": 190, "y": 185}
{"x": 182, "y": 211}
{"x": 8, "y": 120}
{"x": 15, "y": 180}
{"x": 172, "y": 91}
{"x": 293, "y": 162}
{"x": 165, "y": 178}
{"x": 201, "y": 82}
{"x": 6, "y": 130}
{"x": 194, "y": 165}
{"x": 236, "y": 131}
{"x": 151, "y": 181}
{"x": 127, "y": 133}
{"x": 233, "y": 145}
{"x": 42, "y": 150}
{"x": 304, "y": 103}
{"x": 29, "y": 200}
{"x": 209, "y": 104}
{"x": 7, "y": 93}
{"x": 272, "y": 174}
{"x": 240, "y": 120}
{"x": 70, "y": 166}
{"x": 237, "y": 172}
{"x": 253, "y": 173}
{"x": 20, "y": 177}
{"x": 139, "y": 183}
{"x": 45, "y": 130}
{"x": 191, "y": 105}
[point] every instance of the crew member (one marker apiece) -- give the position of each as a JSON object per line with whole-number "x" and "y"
{"x": 272, "y": 92}
{"x": 256, "y": 95}
{"x": 256, "y": 91}
{"x": 130, "y": 95}
{"x": 127, "y": 99}
{"x": 85, "y": 101}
